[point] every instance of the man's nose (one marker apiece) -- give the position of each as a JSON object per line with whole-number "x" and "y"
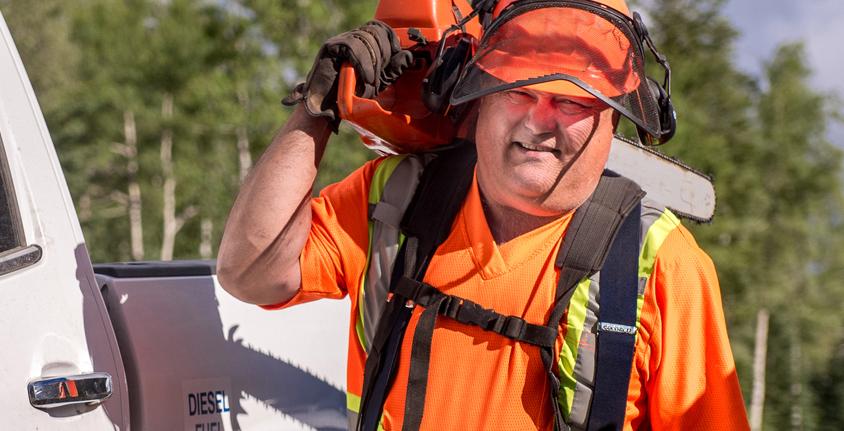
{"x": 541, "y": 118}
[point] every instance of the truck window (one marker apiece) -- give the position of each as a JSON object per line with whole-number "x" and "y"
{"x": 11, "y": 232}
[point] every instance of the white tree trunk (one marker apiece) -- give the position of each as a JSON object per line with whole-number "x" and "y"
{"x": 244, "y": 155}
{"x": 134, "y": 188}
{"x": 206, "y": 249}
{"x": 796, "y": 389}
{"x": 760, "y": 355}
{"x": 172, "y": 222}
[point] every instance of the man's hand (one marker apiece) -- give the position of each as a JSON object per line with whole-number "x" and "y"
{"x": 375, "y": 53}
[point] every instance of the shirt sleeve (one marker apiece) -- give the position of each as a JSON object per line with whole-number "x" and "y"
{"x": 688, "y": 372}
{"x": 334, "y": 257}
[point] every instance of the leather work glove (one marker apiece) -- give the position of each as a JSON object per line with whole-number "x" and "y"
{"x": 374, "y": 51}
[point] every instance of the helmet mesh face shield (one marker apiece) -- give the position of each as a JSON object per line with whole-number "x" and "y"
{"x": 568, "y": 48}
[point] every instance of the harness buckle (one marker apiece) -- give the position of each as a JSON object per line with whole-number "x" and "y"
{"x": 451, "y": 307}
{"x": 514, "y": 327}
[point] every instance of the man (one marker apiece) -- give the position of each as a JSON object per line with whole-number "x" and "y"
{"x": 549, "y": 97}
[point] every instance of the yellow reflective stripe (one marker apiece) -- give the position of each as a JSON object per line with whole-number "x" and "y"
{"x": 359, "y": 325}
{"x": 353, "y": 402}
{"x": 640, "y": 301}
{"x": 382, "y": 174}
{"x": 379, "y": 179}
{"x": 653, "y": 241}
{"x": 654, "y": 238}
{"x": 568, "y": 354}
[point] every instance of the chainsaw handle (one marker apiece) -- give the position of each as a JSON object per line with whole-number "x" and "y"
{"x": 396, "y": 121}
{"x": 350, "y": 105}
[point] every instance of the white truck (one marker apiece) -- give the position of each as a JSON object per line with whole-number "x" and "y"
{"x": 146, "y": 346}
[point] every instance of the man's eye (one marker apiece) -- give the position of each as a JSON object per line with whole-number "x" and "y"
{"x": 516, "y": 96}
{"x": 570, "y": 106}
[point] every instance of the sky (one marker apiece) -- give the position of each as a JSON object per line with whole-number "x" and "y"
{"x": 764, "y": 24}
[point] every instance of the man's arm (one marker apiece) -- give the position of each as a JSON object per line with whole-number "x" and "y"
{"x": 692, "y": 382}
{"x": 258, "y": 260}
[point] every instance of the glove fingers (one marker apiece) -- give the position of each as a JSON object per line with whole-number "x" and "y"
{"x": 391, "y": 38}
{"x": 381, "y": 37}
{"x": 358, "y": 49}
{"x": 367, "y": 57}
{"x": 374, "y": 39}
{"x": 398, "y": 63}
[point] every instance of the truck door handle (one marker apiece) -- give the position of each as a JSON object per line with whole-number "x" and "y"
{"x": 58, "y": 391}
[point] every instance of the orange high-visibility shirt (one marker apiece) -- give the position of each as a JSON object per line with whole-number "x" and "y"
{"x": 683, "y": 374}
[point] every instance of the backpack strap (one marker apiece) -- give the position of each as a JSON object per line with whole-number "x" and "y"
{"x": 616, "y": 336}
{"x": 427, "y": 222}
{"x": 390, "y": 194}
{"x": 584, "y": 250}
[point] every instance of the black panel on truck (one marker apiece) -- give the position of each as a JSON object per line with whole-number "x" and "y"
{"x": 151, "y": 269}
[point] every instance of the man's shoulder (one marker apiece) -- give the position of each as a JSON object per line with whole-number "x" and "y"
{"x": 356, "y": 182}
{"x": 666, "y": 241}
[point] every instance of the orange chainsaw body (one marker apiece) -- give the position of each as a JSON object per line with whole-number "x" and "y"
{"x": 397, "y": 121}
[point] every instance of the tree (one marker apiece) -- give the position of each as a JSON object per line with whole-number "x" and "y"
{"x": 149, "y": 138}
{"x": 296, "y": 30}
{"x": 775, "y": 239}
{"x": 49, "y": 55}
{"x": 803, "y": 170}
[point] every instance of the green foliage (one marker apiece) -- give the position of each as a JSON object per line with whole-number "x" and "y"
{"x": 296, "y": 30}
{"x": 803, "y": 173}
{"x": 50, "y": 56}
{"x": 776, "y": 239}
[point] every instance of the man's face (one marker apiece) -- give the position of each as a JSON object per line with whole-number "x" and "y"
{"x": 540, "y": 153}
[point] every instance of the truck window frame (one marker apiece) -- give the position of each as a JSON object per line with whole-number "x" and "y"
{"x": 20, "y": 255}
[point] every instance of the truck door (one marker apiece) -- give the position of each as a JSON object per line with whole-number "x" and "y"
{"x": 60, "y": 367}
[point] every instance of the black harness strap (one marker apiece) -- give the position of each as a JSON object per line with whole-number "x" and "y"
{"x": 420, "y": 356}
{"x": 471, "y": 313}
{"x": 433, "y": 209}
{"x": 583, "y": 252}
{"x": 442, "y": 188}
{"x": 616, "y": 328}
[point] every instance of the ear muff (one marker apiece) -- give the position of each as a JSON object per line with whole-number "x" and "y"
{"x": 660, "y": 93}
{"x": 667, "y": 116}
{"x": 442, "y": 76}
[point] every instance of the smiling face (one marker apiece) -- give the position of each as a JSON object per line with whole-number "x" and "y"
{"x": 539, "y": 153}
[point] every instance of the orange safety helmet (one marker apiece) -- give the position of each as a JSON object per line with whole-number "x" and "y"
{"x": 584, "y": 48}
